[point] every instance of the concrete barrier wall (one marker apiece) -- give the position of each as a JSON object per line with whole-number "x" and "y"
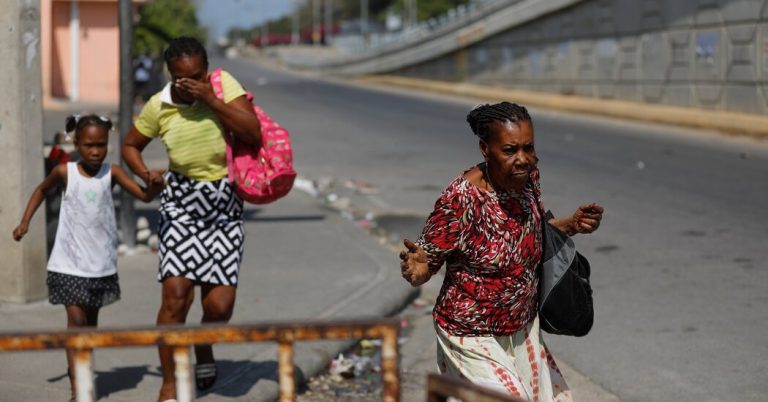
{"x": 710, "y": 54}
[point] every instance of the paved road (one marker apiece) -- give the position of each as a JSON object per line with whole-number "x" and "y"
{"x": 679, "y": 265}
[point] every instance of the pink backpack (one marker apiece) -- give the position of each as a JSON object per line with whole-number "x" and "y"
{"x": 262, "y": 176}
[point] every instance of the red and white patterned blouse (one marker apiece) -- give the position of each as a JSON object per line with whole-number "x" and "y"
{"x": 491, "y": 245}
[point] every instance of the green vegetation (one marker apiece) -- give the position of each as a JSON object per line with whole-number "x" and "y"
{"x": 162, "y": 20}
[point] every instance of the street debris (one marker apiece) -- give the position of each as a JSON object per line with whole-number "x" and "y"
{"x": 352, "y": 376}
{"x": 361, "y": 187}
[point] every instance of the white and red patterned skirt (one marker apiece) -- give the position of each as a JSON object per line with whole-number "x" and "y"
{"x": 518, "y": 364}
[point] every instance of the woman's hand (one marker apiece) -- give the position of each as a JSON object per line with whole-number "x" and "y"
{"x": 155, "y": 178}
{"x": 587, "y": 218}
{"x": 413, "y": 264}
{"x": 200, "y": 90}
{"x": 156, "y": 183}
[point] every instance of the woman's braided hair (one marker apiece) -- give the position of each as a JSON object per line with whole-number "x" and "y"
{"x": 184, "y": 46}
{"x": 481, "y": 117}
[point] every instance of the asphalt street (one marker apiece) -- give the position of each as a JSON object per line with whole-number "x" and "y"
{"x": 679, "y": 267}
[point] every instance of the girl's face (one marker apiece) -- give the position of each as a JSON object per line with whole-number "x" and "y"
{"x": 190, "y": 67}
{"x": 510, "y": 154}
{"x": 91, "y": 143}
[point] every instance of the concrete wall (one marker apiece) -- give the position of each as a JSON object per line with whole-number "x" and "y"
{"x": 695, "y": 53}
{"x": 23, "y": 265}
{"x": 98, "y": 41}
{"x": 100, "y": 49}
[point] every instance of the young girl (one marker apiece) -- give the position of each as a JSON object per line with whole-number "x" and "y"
{"x": 82, "y": 268}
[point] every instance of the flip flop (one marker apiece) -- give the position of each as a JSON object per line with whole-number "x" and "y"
{"x": 205, "y": 375}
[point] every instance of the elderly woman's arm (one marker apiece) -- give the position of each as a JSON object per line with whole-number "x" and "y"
{"x": 439, "y": 237}
{"x": 586, "y": 219}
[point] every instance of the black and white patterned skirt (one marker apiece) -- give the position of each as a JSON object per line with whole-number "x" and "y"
{"x": 71, "y": 290}
{"x": 201, "y": 230}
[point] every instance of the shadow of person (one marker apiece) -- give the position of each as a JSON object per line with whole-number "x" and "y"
{"x": 237, "y": 378}
{"x": 120, "y": 378}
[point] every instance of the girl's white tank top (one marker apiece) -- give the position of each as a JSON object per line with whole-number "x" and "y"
{"x": 86, "y": 239}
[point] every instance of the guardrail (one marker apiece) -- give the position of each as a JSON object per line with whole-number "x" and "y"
{"x": 440, "y": 387}
{"x": 180, "y": 338}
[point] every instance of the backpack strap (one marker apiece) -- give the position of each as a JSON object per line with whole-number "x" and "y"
{"x": 216, "y": 83}
{"x": 218, "y": 89}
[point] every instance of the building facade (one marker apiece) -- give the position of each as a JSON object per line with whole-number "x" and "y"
{"x": 80, "y": 46}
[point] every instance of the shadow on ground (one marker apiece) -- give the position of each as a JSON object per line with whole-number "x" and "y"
{"x": 235, "y": 378}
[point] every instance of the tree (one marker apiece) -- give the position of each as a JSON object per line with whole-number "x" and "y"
{"x": 162, "y": 20}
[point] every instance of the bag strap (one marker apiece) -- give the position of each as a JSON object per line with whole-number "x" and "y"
{"x": 218, "y": 89}
{"x": 216, "y": 83}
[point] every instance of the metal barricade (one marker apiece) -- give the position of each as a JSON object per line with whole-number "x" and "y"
{"x": 440, "y": 387}
{"x": 180, "y": 338}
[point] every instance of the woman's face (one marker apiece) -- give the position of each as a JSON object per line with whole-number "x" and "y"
{"x": 510, "y": 154}
{"x": 191, "y": 67}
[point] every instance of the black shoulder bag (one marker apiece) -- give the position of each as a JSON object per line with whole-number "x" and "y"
{"x": 565, "y": 297}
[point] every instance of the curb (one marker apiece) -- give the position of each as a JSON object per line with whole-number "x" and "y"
{"x": 726, "y": 122}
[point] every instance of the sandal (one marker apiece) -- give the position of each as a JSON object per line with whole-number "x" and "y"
{"x": 205, "y": 375}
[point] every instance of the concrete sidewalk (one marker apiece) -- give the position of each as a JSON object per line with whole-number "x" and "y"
{"x": 302, "y": 261}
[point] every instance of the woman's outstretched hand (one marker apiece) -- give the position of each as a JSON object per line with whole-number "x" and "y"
{"x": 413, "y": 264}
{"x": 587, "y": 218}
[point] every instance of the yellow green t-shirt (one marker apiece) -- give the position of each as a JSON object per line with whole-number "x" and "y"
{"x": 192, "y": 133}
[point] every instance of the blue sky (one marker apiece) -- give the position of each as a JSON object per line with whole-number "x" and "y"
{"x": 220, "y": 15}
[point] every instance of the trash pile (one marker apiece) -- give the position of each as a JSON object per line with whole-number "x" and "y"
{"x": 351, "y": 376}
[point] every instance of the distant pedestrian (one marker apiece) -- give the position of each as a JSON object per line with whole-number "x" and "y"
{"x": 201, "y": 230}
{"x": 142, "y": 73}
{"x": 486, "y": 229}
{"x": 82, "y": 268}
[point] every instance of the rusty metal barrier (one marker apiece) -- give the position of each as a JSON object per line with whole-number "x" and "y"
{"x": 440, "y": 387}
{"x": 180, "y": 338}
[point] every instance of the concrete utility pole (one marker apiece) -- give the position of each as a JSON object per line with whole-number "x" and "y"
{"x": 328, "y": 22}
{"x": 125, "y": 17}
{"x": 295, "y": 36}
{"x": 413, "y": 13}
{"x": 316, "y": 22}
{"x": 364, "y": 20}
{"x": 23, "y": 269}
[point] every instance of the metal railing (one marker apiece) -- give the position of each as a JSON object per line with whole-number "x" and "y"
{"x": 440, "y": 387}
{"x": 180, "y": 338}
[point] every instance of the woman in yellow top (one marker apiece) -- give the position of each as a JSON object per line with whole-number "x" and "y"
{"x": 201, "y": 227}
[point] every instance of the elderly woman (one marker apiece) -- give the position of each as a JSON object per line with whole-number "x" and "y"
{"x": 486, "y": 228}
{"x": 201, "y": 227}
